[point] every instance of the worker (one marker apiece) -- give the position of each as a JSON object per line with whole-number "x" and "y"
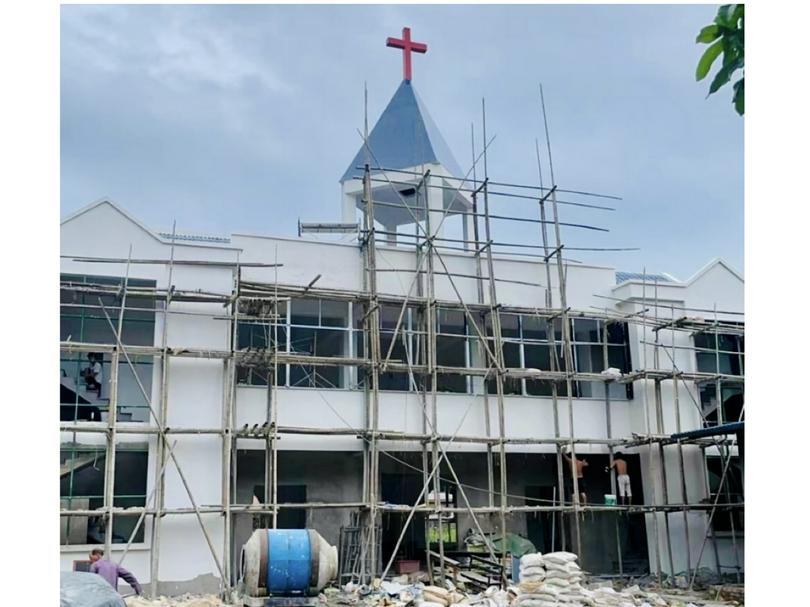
{"x": 580, "y": 468}
{"x": 623, "y": 479}
{"x": 112, "y": 571}
{"x": 94, "y": 373}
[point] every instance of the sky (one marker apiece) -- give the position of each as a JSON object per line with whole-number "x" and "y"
{"x": 243, "y": 118}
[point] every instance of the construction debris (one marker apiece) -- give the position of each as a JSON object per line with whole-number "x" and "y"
{"x": 185, "y": 600}
{"x": 546, "y": 580}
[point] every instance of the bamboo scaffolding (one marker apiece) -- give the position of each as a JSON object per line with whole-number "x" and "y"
{"x": 489, "y": 365}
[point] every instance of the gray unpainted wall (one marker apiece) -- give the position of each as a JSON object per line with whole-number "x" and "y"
{"x": 337, "y": 477}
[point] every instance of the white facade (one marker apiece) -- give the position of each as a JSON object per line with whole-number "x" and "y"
{"x": 196, "y": 387}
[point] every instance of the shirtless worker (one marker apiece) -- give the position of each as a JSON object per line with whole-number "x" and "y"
{"x": 580, "y": 465}
{"x": 623, "y": 479}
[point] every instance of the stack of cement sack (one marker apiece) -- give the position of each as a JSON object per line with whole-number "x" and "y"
{"x": 563, "y": 574}
{"x": 629, "y": 597}
{"x": 552, "y": 580}
{"x": 436, "y": 596}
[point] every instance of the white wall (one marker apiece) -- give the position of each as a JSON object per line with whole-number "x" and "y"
{"x": 196, "y": 385}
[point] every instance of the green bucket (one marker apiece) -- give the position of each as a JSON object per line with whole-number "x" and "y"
{"x": 610, "y": 499}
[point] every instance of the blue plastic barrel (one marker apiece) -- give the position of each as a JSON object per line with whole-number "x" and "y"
{"x": 289, "y": 560}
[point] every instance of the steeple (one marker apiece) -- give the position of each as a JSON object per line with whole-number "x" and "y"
{"x": 404, "y": 137}
{"x": 402, "y": 146}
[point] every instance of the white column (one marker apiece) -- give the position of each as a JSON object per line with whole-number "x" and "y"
{"x": 349, "y": 208}
{"x": 391, "y": 238}
{"x": 468, "y": 229}
{"x": 435, "y": 208}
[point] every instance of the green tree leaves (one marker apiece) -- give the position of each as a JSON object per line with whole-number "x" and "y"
{"x": 725, "y": 36}
{"x": 705, "y": 63}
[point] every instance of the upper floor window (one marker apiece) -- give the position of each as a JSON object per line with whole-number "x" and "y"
{"x": 260, "y": 327}
{"x": 723, "y": 354}
{"x": 86, "y": 302}
{"x": 328, "y": 328}
{"x": 304, "y": 328}
{"x": 526, "y": 345}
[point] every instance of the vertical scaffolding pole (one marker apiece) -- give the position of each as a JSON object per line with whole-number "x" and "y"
{"x": 498, "y": 347}
{"x": 552, "y": 347}
{"x": 423, "y": 349}
{"x": 479, "y": 284}
{"x": 160, "y": 446}
{"x": 112, "y": 418}
{"x": 648, "y": 427}
{"x": 681, "y": 467}
{"x": 659, "y": 416}
{"x": 228, "y": 408}
{"x": 430, "y": 331}
{"x": 373, "y": 318}
{"x": 273, "y": 421}
{"x": 609, "y": 428}
{"x": 566, "y": 335}
{"x": 725, "y": 449}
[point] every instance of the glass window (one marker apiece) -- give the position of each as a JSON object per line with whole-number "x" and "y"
{"x": 389, "y": 315}
{"x": 730, "y": 503}
{"x": 259, "y": 332}
{"x": 538, "y": 356}
{"x": 510, "y": 326}
{"x": 511, "y": 359}
{"x": 404, "y": 343}
{"x": 617, "y": 333}
{"x": 733, "y": 398}
{"x": 729, "y": 361}
{"x": 451, "y": 321}
{"x": 587, "y": 330}
{"x": 589, "y": 359}
{"x": 85, "y": 378}
{"x": 81, "y": 487}
{"x": 334, "y": 313}
{"x": 451, "y": 351}
{"x": 534, "y": 327}
{"x": 305, "y": 312}
{"x": 394, "y": 380}
{"x": 317, "y": 342}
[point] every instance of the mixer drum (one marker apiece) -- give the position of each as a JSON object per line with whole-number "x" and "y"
{"x": 287, "y": 562}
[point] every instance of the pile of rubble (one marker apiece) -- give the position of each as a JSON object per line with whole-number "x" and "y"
{"x": 186, "y": 600}
{"x": 546, "y": 580}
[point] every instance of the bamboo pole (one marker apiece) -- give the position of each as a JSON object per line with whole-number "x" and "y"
{"x": 566, "y": 332}
{"x": 609, "y": 431}
{"x": 112, "y": 418}
{"x": 160, "y": 452}
{"x": 170, "y": 451}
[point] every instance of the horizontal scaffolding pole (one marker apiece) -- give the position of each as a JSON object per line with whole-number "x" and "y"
{"x": 428, "y": 509}
{"x": 177, "y": 262}
{"x": 267, "y": 291}
{"x": 501, "y": 183}
{"x": 261, "y": 432}
{"x": 494, "y": 193}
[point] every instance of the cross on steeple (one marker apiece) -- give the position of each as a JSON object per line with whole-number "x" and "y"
{"x": 407, "y": 47}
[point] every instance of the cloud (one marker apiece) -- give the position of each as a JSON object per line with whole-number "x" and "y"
{"x": 244, "y": 117}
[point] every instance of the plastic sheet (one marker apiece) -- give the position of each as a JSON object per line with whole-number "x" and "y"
{"x": 81, "y": 589}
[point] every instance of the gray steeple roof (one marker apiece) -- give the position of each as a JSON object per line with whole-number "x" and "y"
{"x": 404, "y": 136}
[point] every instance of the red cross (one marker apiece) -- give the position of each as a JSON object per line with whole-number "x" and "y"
{"x": 407, "y": 47}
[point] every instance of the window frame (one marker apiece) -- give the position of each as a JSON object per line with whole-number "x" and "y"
{"x": 100, "y": 451}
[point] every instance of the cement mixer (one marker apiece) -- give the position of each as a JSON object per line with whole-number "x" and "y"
{"x": 287, "y": 562}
